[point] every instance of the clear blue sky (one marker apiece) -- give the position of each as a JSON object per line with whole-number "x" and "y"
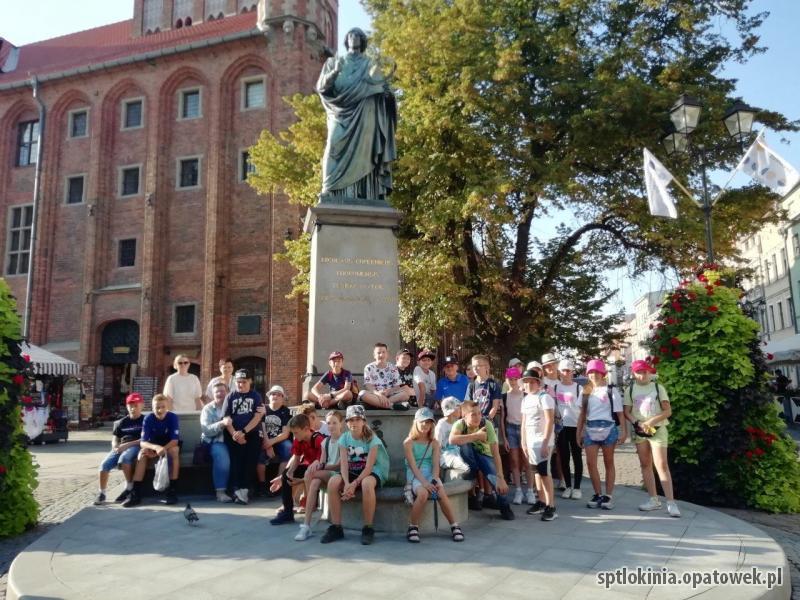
{"x": 769, "y": 80}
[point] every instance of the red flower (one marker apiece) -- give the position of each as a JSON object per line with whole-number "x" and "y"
{"x": 751, "y": 430}
{"x": 713, "y": 308}
{"x": 692, "y": 296}
{"x": 671, "y": 320}
{"x": 18, "y": 379}
{"x": 2, "y": 469}
{"x": 675, "y": 341}
{"x": 27, "y": 400}
{"x": 663, "y": 349}
{"x": 26, "y": 358}
{"x": 702, "y": 278}
{"x": 709, "y": 291}
{"x": 749, "y": 454}
{"x": 656, "y": 360}
{"x": 770, "y": 356}
{"x": 718, "y": 282}
{"x": 660, "y": 325}
{"x": 676, "y": 354}
{"x": 759, "y": 451}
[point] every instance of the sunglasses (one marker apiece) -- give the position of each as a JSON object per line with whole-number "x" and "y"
{"x": 183, "y": 362}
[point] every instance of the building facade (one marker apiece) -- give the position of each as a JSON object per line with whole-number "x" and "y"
{"x": 646, "y": 310}
{"x": 148, "y": 240}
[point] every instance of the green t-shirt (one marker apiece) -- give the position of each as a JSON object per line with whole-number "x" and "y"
{"x": 461, "y": 428}
{"x": 358, "y": 450}
{"x": 646, "y": 401}
{"x": 423, "y": 454}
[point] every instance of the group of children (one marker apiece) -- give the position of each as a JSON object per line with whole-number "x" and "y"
{"x": 541, "y": 415}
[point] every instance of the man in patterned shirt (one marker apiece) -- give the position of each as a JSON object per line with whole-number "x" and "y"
{"x": 384, "y": 389}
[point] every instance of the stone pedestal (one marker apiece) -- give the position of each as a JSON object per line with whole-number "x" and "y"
{"x": 353, "y": 300}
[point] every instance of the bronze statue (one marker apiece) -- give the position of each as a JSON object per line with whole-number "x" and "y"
{"x": 362, "y": 116}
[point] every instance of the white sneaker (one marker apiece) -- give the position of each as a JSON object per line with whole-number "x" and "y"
{"x": 530, "y": 496}
{"x": 223, "y": 497}
{"x": 567, "y": 493}
{"x": 241, "y": 496}
{"x": 517, "y": 497}
{"x": 303, "y": 534}
{"x": 576, "y": 494}
{"x": 672, "y": 509}
{"x": 607, "y": 503}
{"x": 651, "y": 504}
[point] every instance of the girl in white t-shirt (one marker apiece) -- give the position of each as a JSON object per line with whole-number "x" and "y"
{"x": 512, "y": 421}
{"x": 597, "y": 429}
{"x": 568, "y": 401}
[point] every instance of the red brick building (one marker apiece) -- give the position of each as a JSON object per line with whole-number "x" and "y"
{"x": 148, "y": 241}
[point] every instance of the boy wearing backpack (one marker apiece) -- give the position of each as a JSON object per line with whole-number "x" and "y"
{"x": 648, "y": 409}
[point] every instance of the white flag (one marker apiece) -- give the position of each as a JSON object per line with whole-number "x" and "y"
{"x": 657, "y": 178}
{"x": 770, "y": 170}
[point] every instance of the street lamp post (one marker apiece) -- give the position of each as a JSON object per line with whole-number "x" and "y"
{"x": 685, "y": 114}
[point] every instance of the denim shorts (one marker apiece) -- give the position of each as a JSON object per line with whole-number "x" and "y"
{"x": 126, "y": 457}
{"x": 513, "y": 436}
{"x": 612, "y": 438}
{"x": 416, "y": 483}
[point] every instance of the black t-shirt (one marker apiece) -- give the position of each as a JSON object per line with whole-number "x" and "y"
{"x": 241, "y": 407}
{"x": 276, "y": 420}
{"x": 128, "y": 429}
{"x": 407, "y": 378}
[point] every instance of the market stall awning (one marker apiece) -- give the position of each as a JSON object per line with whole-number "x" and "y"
{"x": 46, "y": 363}
{"x": 786, "y": 350}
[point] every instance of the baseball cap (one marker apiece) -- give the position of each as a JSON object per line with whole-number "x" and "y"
{"x": 566, "y": 364}
{"x": 404, "y": 351}
{"x": 335, "y": 354}
{"x": 513, "y": 373}
{"x": 134, "y": 398}
{"x": 424, "y": 414}
{"x": 449, "y": 405}
{"x": 642, "y": 365}
{"x": 514, "y": 362}
{"x": 426, "y": 353}
{"x": 548, "y": 358}
{"x": 450, "y": 360}
{"x": 276, "y": 389}
{"x": 241, "y": 374}
{"x": 596, "y": 365}
{"x": 530, "y": 374}
{"x": 355, "y": 411}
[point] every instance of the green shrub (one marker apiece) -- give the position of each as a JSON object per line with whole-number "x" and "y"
{"x": 18, "y": 509}
{"x": 727, "y": 444}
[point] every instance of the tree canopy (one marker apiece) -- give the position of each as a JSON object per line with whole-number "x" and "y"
{"x": 514, "y": 113}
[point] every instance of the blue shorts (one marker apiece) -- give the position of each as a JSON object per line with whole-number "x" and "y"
{"x": 126, "y": 457}
{"x": 283, "y": 452}
{"x": 513, "y": 436}
{"x": 610, "y": 440}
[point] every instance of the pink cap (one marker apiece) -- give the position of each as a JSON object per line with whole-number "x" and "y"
{"x": 513, "y": 373}
{"x": 596, "y": 365}
{"x": 642, "y": 365}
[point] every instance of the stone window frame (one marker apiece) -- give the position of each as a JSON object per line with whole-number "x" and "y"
{"x": 120, "y": 180}
{"x": 124, "y": 109}
{"x": 181, "y": 94}
{"x": 118, "y": 244}
{"x": 245, "y": 81}
{"x": 175, "y": 307}
{"x": 240, "y": 165}
{"x": 178, "y": 163}
{"x": 70, "y": 120}
{"x": 19, "y": 252}
{"x": 67, "y": 179}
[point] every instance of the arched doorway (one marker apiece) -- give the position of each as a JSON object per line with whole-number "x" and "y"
{"x": 119, "y": 355}
{"x": 257, "y": 367}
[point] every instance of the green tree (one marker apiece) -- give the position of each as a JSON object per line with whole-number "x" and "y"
{"x": 513, "y": 112}
{"x": 727, "y": 444}
{"x": 17, "y": 473}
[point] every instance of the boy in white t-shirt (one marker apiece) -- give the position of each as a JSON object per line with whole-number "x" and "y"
{"x": 425, "y": 379}
{"x": 450, "y": 456}
{"x": 538, "y": 440}
{"x": 550, "y": 380}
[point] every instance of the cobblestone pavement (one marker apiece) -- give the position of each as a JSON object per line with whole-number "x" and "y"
{"x": 68, "y": 482}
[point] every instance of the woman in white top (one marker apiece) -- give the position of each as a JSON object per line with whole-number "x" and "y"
{"x": 597, "y": 429}
{"x": 183, "y": 389}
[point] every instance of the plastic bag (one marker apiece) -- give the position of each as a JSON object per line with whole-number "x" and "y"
{"x": 161, "y": 478}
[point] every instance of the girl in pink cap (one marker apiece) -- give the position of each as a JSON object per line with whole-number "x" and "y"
{"x": 597, "y": 429}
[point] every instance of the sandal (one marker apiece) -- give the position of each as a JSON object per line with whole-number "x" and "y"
{"x": 412, "y": 535}
{"x": 458, "y": 535}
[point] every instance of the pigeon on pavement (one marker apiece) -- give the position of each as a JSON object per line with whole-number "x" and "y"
{"x": 190, "y": 516}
